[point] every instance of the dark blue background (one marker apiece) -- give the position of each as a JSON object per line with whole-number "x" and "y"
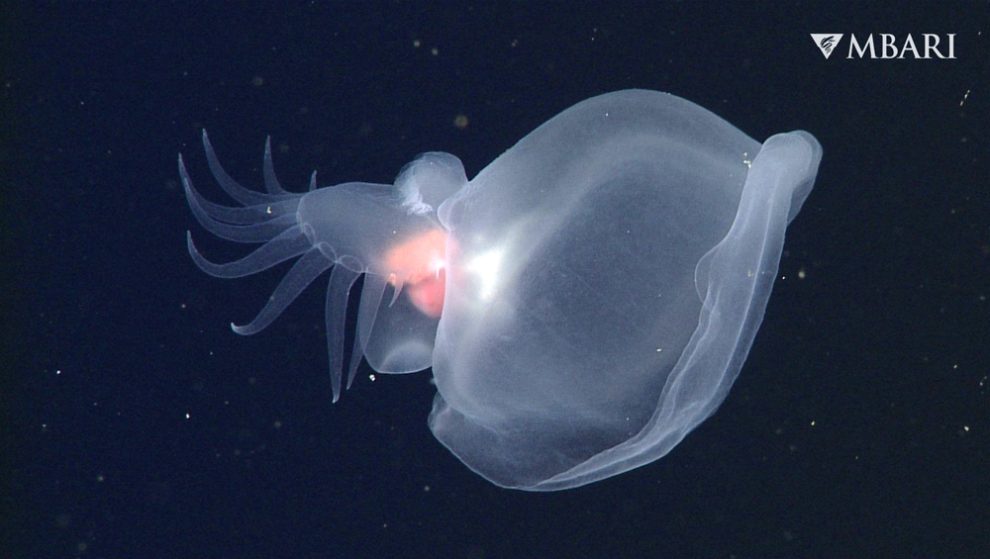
{"x": 135, "y": 424}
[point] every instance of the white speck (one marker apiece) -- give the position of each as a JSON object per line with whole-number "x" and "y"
{"x": 187, "y": 415}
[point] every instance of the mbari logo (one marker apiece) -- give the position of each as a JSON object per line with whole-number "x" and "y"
{"x": 887, "y": 46}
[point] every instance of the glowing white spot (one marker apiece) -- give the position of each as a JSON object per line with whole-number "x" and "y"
{"x": 437, "y": 264}
{"x": 486, "y": 267}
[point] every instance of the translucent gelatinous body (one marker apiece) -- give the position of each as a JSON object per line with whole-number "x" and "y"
{"x": 584, "y": 302}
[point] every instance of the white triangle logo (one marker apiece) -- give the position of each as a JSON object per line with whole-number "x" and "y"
{"x": 826, "y": 42}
